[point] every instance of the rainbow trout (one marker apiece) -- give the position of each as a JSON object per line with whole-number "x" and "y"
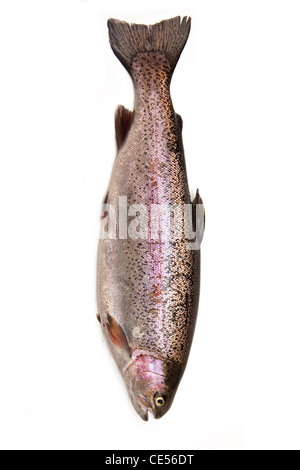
{"x": 149, "y": 253}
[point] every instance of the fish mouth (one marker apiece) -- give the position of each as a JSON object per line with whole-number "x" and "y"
{"x": 144, "y": 407}
{"x": 144, "y": 377}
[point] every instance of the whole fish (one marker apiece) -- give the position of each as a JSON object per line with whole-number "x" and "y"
{"x": 149, "y": 280}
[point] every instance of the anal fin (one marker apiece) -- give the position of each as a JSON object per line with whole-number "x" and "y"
{"x": 179, "y": 122}
{"x": 123, "y": 122}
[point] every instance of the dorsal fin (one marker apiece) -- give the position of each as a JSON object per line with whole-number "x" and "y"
{"x": 123, "y": 122}
{"x": 198, "y": 218}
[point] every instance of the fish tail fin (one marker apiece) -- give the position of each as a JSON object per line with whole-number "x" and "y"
{"x": 168, "y": 36}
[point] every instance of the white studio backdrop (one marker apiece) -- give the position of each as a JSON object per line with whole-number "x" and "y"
{"x": 237, "y": 88}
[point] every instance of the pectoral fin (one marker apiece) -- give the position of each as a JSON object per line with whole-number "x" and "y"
{"x": 117, "y": 335}
{"x": 105, "y": 201}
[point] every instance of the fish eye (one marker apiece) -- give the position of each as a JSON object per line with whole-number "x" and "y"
{"x": 160, "y": 401}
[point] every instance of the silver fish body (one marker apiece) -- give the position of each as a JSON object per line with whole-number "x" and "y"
{"x": 148, "y": 288}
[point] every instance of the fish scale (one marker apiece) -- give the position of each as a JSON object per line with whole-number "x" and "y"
{"x": 148, "y": 289}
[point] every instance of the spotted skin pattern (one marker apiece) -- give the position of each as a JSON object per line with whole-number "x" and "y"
{"x": 150, "y": 287}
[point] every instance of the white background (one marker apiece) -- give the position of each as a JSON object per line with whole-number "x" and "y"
{"x": 237, "y": 89}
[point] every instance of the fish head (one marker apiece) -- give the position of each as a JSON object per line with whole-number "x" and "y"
{"x": 152, "y": 384}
